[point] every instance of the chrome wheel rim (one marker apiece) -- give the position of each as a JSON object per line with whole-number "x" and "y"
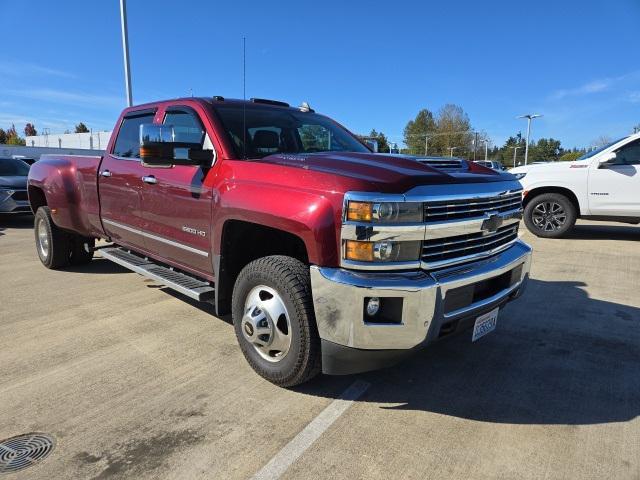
{"x": 43, "y": 239}
{"x": 265, "y": 324}
{"x": 549, "y": 216}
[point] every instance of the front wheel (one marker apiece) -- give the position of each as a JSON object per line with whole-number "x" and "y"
{"x": 274, "y": 320}
{"x": 550, "y": 215}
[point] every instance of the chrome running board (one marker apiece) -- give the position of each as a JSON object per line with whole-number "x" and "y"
{"x": 185, "y": 284}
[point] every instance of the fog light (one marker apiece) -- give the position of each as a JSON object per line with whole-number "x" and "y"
{"x": 383, "y": 250}
{"x": 373, "y": 305}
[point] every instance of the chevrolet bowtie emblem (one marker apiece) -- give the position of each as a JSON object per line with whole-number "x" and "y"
{"x": 492, "y": 223}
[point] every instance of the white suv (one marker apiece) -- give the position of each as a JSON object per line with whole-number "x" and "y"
{"x": 601, "y": 185}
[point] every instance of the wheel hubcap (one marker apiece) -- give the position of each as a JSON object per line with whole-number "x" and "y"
{"x": 266, "y": 323}
{"x": 43, "y": 239}
{"x": 549, "y": 216}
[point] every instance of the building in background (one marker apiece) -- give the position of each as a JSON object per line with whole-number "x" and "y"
{"x": 89, "y": 140}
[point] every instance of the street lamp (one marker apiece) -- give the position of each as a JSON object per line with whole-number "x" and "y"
{"x": 451, "y": 149}
{"x": 486, "y": 149}
{"x": 529, "y": 117}
{"x": 515, "y": 150}
{"x": 125, "y": 50}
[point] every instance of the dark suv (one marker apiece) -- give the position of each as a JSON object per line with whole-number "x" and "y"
{"x": 13, "y": 186}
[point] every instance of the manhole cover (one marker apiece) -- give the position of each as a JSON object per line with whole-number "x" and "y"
{"x": 17, "y": 453}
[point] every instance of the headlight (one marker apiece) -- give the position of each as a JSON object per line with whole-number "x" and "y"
{"x": 384, "y": 212}
{"x": 519, "y": 176}
{"x": 384, "y": 251}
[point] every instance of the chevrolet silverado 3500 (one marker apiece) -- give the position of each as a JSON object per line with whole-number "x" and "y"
{"x": 329, "y": 257}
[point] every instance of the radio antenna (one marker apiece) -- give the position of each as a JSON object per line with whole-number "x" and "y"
{"x": 244, "y": 97}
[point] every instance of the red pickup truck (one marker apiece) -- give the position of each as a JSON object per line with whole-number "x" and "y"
{"x": 329, "y": 257}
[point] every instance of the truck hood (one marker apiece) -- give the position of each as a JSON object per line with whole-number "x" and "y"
{"x": 13, "y": 182}
{"x": 382, "y": 170}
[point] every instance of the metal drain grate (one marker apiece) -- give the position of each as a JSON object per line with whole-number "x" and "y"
{"x": 18, "y": 453}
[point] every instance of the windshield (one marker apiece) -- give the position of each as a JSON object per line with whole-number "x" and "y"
{"x": 279, "y": 130}
{"x": 10, "y": 167}
{"x": 599, "y": 149}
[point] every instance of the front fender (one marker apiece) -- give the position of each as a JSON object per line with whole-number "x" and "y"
{"x": 313, "y": 217}
{"x": 578, "y": 189}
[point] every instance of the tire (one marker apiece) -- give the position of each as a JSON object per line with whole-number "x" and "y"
{"x": 277, "y": 286}
{"x": 550, "y": 215}
{"x": 81, "y": 249}
{"x": 52, "y": 244}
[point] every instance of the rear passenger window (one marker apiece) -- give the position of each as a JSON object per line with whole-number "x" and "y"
{"x": 128, "y": 141}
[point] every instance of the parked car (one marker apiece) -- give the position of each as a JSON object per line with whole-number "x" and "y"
{"x": 329, "y": 257}
{"x": 603, "y": 184}
{"x": 13, "y": 186}
{"x": 27, "y": 160}
{"x": 492, "y": 164}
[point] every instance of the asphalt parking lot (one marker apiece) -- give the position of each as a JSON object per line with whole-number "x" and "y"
{"x": 134, "y": 381}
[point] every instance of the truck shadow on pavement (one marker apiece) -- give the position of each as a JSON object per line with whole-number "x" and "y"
{"x": 97, "y": 265}
{"x": 605, "y": 232}
{"x": 557, "y": 357}
{"x": 15, "y": 221}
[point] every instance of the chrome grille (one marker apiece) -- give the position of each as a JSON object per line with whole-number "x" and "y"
{"x": 440, "y": 211}
{"x": 446, "y": 251}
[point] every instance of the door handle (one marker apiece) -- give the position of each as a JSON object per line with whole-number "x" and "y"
{"x": 150, "y": 179}
{"x": 105, "y": 173}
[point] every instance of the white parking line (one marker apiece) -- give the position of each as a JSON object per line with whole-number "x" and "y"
{"x": 301, "y": 442}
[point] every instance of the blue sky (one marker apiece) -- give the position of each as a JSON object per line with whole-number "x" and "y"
{"x": 367, "y": 64}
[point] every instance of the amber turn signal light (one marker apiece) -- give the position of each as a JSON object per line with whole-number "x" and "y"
{"x": 359, "y": 211}
{"x": 359, "y": 251}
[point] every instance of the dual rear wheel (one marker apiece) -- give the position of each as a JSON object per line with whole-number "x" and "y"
{"x": 57, "y": 248}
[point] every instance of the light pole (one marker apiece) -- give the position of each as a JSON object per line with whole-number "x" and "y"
{"x": 451, "y": 149}
{"x": 125, "y": 50}
{"x": 486, "y": 150}
{"x": 529, "y": 117}
{"x": 426, "y": 145}
{"x": 515, "y": 150}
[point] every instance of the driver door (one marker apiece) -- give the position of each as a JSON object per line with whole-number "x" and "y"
{"x": 177, "y": 202}
{"x": 614, "y": 188}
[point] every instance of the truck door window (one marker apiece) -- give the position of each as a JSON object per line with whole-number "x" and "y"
{"x": 128, "y": 141}
{"x": 186, "y": 126}
{"x": 629, "y": 154}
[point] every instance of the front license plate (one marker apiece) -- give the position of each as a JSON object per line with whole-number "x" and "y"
{"x": 484, "y": 324}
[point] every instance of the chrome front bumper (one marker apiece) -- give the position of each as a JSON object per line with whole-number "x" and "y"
{"x": 339, "y": 296}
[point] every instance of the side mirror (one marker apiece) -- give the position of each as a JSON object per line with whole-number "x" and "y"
{"x": 159, "y": 146}
{"x": 607, "y": 159}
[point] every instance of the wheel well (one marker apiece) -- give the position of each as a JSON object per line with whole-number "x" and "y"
{"x": 36, "y": 198}
{"x": 243, "y": 242}
{"x": 561, "y": 190}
